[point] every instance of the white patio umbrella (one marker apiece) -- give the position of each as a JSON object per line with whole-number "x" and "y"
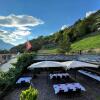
{"x": 46, "y": 64}
{"x": 76, "y": 64}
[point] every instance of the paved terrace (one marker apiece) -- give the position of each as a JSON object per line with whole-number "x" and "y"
{"x": 46, "y": 92}
{"x": 5, "y": 67}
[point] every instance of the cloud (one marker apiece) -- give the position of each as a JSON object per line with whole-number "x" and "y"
{"x": 22, "y": 25}
{"x": 21, "y": 32}
{"x": 89, "y": 13}
{"x": 51, "y": 33}
{"x": 24, "y": 28}
{"x": 14, "y": 37}
{"x": 19, "y": 21}
{"x": 63, "y": 27}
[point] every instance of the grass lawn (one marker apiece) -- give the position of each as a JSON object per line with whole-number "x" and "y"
{"x": 90, "y": 42}
{"x": 87, "y": 43}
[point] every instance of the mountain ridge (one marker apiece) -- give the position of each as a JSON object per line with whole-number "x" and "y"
{"x": 4, "y": 45}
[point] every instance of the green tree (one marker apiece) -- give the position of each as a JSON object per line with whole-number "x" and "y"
{"x": 64, "y": 44}
{"x": 58, "y": 36}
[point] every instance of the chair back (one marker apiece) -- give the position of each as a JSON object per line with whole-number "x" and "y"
{"x": 61, "y": 91}
{"x": 78, "y": 90}
{"x": 54, "y": 77}
{"x": 58, "y": 78}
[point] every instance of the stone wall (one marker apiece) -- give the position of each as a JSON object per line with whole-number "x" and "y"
{"x": 55, "y": 57}
{"x": 86, "y": 58}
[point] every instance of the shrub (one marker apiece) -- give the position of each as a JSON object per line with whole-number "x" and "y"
{"x": 25, "y": 59}
{"x": 9, "y": 78}
{"x": 29, "y": 94}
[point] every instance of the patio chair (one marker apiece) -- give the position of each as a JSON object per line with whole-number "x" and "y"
{"x": 78, "y": 92}
{"x": 64, "y": 77}
{"x": 54, "y": 78}
{"x": 23, "y": 82}
{"x": 61, "y": 92}
{"x": 58, "y": 78}
{"x": 70, "y": 93}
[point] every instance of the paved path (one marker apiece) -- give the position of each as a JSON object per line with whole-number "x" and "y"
{"x": 5, "y": 67}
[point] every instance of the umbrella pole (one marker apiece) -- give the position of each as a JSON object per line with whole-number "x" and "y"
{"x": 75, "y": 74}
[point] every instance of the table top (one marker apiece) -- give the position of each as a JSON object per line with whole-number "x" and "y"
{"x": 90, "y": 74}
{"x": 26, "y": 79}
{"x": 67, "y": 86}
{"x": 58, "y": 74}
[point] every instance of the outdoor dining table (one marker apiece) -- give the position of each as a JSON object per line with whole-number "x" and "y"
{"x": 67, "y": 86}
{"x": 94, "y": 76}
{"x": 59, "y": 74}
{"x": 26, "y": 79}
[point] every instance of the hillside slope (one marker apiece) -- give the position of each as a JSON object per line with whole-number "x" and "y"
{"x": 90, "y": 42}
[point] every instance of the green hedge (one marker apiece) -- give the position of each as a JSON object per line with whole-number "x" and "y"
{"x": 8, "y": 79}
